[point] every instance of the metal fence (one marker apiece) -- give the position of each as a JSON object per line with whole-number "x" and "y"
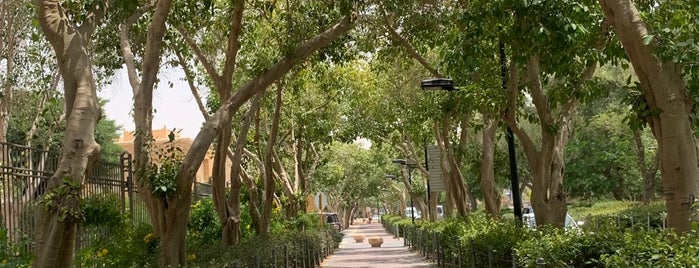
{"x": 435, "y": 247}
{"x": 24, "y": 172}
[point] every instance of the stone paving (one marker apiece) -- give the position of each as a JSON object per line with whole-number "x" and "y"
{"x": 392, "y": 253}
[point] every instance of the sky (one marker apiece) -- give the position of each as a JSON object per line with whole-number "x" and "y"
{"x": 175, "y": 107}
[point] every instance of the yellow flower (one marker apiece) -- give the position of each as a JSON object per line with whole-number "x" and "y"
{"x": 247, "y": 226}
{"x": 149, "y": 237}
{"x": 4, "y": 261}
{"x": 191, "y": 257}
{"x": 102, "y": 252}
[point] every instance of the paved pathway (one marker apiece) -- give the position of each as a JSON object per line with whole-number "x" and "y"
{"x": 392, "y": 253}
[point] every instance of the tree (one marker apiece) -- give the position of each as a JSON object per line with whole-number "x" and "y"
{"x": 56, "y": 221}
{"x": 351, "y": 174}
{"x": 668, "y": 103}
{"x": 280, "y": 23}
{"x": 169, "y": 211}
{"x": 559, "y": 55}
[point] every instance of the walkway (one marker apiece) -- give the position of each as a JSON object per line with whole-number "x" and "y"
{"x": 391, "y": 254}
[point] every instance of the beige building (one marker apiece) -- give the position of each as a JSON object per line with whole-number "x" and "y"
{"x": 160, "y": 137}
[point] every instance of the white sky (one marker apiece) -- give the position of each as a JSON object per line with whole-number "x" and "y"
{"x": 174, "y": 107}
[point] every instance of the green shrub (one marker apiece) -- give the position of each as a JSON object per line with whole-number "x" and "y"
{"x": 102, "y": 209}
{"x": 559, "y": 248}
{"x": 14, "y": 254}
{"x": 635, "y": 216}
{"x": 304, "y": 222}
{"x": 481, "y": 236}
{"x": 203, "y": 226}
{"x": 655, "y": 248}
{"x": 292, "y": 248}
{"x": 129, "y": 246}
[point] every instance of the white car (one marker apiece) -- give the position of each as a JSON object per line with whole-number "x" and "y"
{"x": 409, "y": 213}
{"x": 530, "y": 220}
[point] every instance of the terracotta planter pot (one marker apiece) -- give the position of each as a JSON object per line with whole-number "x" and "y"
{"x": 358, "y": 238}
{"x": 375, "y": 242}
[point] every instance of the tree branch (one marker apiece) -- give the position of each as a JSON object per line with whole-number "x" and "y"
{"x": 195, "y": 93}
{"x": 201, "y": 57}
{"x": 127, "y": 53}
{"x": 233, "y": 42}
{"x": 410, "y": 49}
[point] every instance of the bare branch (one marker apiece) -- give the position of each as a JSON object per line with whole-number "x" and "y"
{"x": 127, "y": 53}
{"x": 189, "y": 76}
{"x": 201, "y": 57}
{"x": 233, "y": 42}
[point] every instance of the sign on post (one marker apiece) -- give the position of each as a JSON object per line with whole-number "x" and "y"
{"x": 435, "y": 168}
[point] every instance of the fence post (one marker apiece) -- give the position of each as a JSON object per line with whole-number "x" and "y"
{"x": 127, "y": 173}
{"x": 540, "y": 263}
{"x": 490, "y": 256}
{"x": 459, "y": 253}
{"x": 435, "y": 247}
{"x": 631, "y": 221}
{"x": 514, "y": 258}
{"x": 274, "y": 256}
{"x": 473, "y": 253}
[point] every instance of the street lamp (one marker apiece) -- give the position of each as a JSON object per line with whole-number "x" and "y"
{"x": 404, "y": 162}
{"x": 448, "y": 85}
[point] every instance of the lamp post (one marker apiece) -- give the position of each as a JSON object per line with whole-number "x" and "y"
{"x": 404, "y": 162}
{"x": 448, "y": 85}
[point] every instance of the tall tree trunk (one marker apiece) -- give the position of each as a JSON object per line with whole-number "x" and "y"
{"x": 549, "y": 199}
{"x": 57, "y": 220}
{"x": 664, "y": 91}
{"x": 548, "y": 194}
{"x": 455, "y": 179}
{"x": 218, "y": 182}
{"x": 229, "y": 213}
{"x": 491, "y": 195}
{"x": 269, "y": 183}
{"x": 451, "y": 192}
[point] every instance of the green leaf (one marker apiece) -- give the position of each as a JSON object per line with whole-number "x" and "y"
{"x": 648, "y": 38}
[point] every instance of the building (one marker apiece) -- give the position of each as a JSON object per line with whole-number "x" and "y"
{"x": 161, "y": 139}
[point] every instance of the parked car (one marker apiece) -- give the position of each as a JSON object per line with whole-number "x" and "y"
{"x": 440, "y": 212}
{"x": 331, "y": 218}
{"x": 530, "y": 220}
{"x": 409, "y": 213}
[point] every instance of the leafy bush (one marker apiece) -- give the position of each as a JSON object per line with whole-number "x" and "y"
{"x": 290, "y": 249}
{"x": 636, "y": 216}
{"x": 102, "y": 209}
{"x": 129, "y": 246}
{"x": 655, "y": 248}
{"x": 203, "y": 226}
{"x": 14, "y": 254}
{"x": 480, "y": 236}
{"x": 559, "y": 248}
